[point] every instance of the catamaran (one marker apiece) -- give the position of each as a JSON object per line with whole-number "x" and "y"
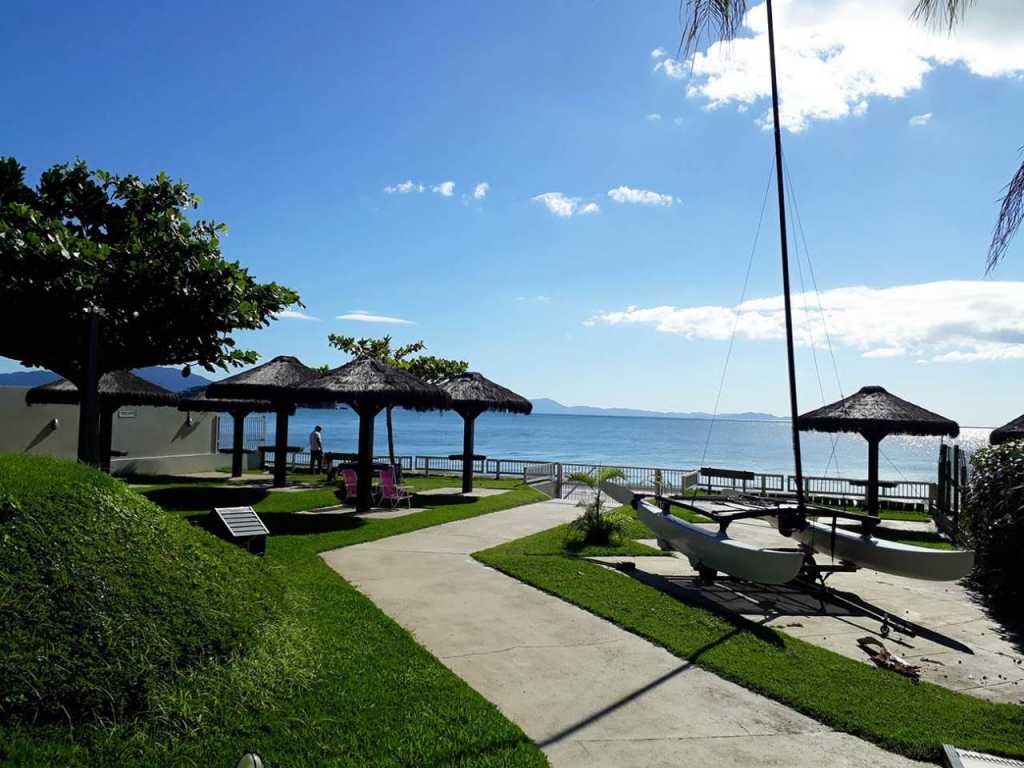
{"x": 715, "y": 551}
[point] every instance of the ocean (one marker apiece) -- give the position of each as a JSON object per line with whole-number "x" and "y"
{"x": 760, "y": 446}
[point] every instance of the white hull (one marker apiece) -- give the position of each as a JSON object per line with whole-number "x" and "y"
{"x": 712, "y": 549}
{"x": 887, "y": 556}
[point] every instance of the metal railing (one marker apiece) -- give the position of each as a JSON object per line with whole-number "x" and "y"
{"x": 654, "y": 479}
{"x": 843, "y": 487}
{"x": 763, "y": 482}
{"x": 254, "y": 431}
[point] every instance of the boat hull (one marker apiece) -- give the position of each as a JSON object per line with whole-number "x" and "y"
{"x": 886, "y": 556}
{"x": 715, "y": 550}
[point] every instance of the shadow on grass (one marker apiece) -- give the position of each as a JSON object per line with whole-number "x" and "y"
{"x": 429, "y": 500}
{"x": 205, "y": 497}
{"x": 290, "y": 523}
{"x": 171, "y": 480}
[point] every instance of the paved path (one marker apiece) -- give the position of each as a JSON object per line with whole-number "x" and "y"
{"x": 589, "y": 693}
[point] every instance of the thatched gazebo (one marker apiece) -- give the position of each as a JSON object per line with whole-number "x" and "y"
{"x": 238, "y": 409}
{"x": 368, "y": 386}
{"x": 116, "y": 390}
{"x": 1013, "y": 430}
{"x": 874, "y": 414}
{"x": 471, "y": 395}
{"x": 276, "y": 381}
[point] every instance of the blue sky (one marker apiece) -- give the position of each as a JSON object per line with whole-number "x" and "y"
{"x": 292, "y": 120}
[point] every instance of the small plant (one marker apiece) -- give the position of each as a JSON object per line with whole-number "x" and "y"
{"x": 994, "y": 524}
{"x": 596, "y": 525}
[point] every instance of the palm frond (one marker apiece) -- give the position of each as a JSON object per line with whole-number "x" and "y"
{"x": 1011, "y": 214}
{"x": 944, "y": 13}
{"x": 708, "y": 21}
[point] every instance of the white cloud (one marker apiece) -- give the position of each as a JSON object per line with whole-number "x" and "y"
{"x": 948, "y": 321}
{"x": 654, "y": 117}
{"x": 678, "y": 121}
{"x": 918, "y": 120}
{"x": 294, "y": 314}
{"x": 362, "y": 316}
{"x": 480, "y": 190}
{"x": 657, "y": 53}
{"x": 445, "y": 188}
{"x": 676, "y": 70}
{"x": 564, "y": 207}
{"x": 404, "y": 188}
{"x": 834, "y": 56}
{"x": 640, "y": 196}
{"x": 539, "y": 299}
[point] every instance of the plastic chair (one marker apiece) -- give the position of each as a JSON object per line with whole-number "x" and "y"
{"x": 351, "y": 483}
{"x": 391, "y": 492}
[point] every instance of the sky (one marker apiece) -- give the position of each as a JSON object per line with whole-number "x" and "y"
{"x": 549, "y": 191}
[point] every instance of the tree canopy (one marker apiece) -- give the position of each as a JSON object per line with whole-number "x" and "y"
{"x": 426, "y": 367}
{"x": 86, "y": 241}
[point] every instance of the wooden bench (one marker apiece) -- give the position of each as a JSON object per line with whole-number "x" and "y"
{"x": 728, "y": 474}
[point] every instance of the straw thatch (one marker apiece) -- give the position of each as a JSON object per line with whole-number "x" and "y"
{"x": 472, "y": 392}
{"x": 115, "y": 390}
{"x": 371, "y": 384}
{"x": 1014, "y": 430}
{"x": 201, "y": 402}
{"x": 873, "y": 411}
{"x": 274, "y": 380}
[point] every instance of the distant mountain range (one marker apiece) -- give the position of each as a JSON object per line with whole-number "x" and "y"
{"x": 168, "y": 378}
{"x": 549, "y": 406}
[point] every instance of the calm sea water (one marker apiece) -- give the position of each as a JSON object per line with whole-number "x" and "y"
{"x": 756, "y": 446}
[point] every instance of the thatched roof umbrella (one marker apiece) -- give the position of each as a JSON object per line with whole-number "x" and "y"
{"x": 115, "y": 390}
{"x": 368, "y": 386}
{"x": 471, "y": 395}
{"x": 276, "y": 380}
{"x": 200, "y": 402}
{"x": 1014, "y": 430}
{"x": 874, "y": 414}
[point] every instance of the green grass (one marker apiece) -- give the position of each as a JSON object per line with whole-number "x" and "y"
{"x": 367, "y": 693}
{"x": 886, "y": 708}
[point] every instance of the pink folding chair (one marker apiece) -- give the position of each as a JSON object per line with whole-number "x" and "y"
{"x": 351, "y": 483}
{"x": 391, "y": 492}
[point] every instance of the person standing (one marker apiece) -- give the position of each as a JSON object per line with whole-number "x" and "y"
{"x": 316, "y": 450}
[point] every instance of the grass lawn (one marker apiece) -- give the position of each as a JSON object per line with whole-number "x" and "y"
{"x": 374, "y": 697}
{"x": 914, "y": 719}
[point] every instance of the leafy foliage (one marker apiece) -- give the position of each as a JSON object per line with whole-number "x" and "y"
{"x": 596, "y": 526}
{"x": 994, "y": 518}
{"x": 86, "y": 240}
{"x": 104, "y": 598}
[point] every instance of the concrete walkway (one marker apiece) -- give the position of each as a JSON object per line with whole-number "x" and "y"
{"x": 589, "y": 693}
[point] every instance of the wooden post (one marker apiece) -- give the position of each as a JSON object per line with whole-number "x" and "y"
{"x": 280, "y": 447}
{"x": 364, "y": 498}
{"x": 872, "y": 489}
{"x": 237, "y": 442}
{"x": 106, "y": 437}
{"x": 468, "y": 425}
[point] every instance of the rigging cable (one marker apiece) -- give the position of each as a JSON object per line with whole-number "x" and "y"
{"x": 736, "y": 319}
{"x": 798, "y": 223}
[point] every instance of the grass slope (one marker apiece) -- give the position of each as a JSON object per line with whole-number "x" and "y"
{"x": 912, "y": 719}
{"x": 373, "y": 696}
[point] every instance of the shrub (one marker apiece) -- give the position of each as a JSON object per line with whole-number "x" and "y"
{"x": 104, "y": 597}
{"x": 595, "y": 525}
{"x": 994, "y": 522}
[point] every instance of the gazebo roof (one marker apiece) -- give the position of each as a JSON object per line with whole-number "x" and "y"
{"x": 368, "y": 383}
{"x": 874, "y": 411}
{"x": 200, "y": 402}
{"x": 472, "y": 391}
{"x": 274, "y": 380}
{"x": 1014, "y": 430}
{"x": 115, "y": 389}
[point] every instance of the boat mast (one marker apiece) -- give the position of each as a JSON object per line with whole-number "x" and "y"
{"x": 785, "y": 265}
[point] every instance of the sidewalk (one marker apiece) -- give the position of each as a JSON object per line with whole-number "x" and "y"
{"x": 589, "y": 693}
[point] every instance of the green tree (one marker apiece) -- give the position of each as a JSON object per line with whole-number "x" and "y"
{"x": 708, "y": 21}
{"x": 84, "y": 245}
{"x": 425, "y": 367}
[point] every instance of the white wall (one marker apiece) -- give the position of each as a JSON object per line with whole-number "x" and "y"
{"x": 156, "y": 440}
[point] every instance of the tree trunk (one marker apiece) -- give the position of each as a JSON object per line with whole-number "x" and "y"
{"x": 391, "y": 438}
{"x": 468, "y": 424}
{"x": 106, "y": 437}
{"x": 88, "y": 404}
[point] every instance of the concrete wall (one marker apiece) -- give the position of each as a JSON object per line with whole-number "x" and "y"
{"x": 155, "y": 440}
